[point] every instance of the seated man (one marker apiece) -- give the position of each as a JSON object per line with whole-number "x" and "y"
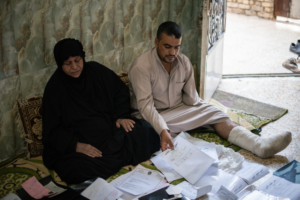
{"x": 88, "y": 131}
{"x": 164, "y": 94}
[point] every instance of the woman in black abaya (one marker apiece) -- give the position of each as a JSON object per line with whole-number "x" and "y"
{"x": 88, "y": 131}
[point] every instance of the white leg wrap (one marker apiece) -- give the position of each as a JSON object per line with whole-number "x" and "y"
{"x": 262, "y": 147}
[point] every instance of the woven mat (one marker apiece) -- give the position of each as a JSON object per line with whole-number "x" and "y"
{"x": 15, "y": 171}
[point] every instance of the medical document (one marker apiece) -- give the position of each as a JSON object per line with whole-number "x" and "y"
{"x": 187, "y": 160}
{"x": 141, "y": 180}
{"x": 280, "y": 187}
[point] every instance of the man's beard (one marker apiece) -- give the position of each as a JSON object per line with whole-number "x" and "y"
{"x": 164, "y": 58}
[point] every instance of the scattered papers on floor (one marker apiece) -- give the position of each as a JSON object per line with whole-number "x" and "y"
{"x": 100, "y": 190}
{"x": 35, "y": 189}
{"x": 225, "y": 194}
{"x": 280, "y": 187}
{"x": 11, "y": 196}
{"x": 187, "y": 160}
{"x": 193, "y": 192}
{"x": 141, "y": 180}
{"x": 216, "y": 177}
{"x": 251, "y": 172}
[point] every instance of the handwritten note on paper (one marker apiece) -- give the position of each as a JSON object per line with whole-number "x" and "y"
{"x": 187, "y": 160}
{"x": 225, "y": 194}
{"x": 101, "y": 190}
{"x": 165, "y": 168}
{"x": 280, "y": 187}
{"x": 251, "y": 172}
{"x": 35, "y": 189}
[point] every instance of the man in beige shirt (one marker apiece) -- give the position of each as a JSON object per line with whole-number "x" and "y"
{"x": 164, "y": 93}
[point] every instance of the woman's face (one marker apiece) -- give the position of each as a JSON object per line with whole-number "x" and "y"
{"x": 73, "y": 66}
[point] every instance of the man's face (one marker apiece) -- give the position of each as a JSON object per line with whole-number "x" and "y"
{"x": 73, "y": 66}
{"x": 167, "y": 48}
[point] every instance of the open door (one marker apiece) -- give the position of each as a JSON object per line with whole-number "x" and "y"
{"x": 213, "y": 30}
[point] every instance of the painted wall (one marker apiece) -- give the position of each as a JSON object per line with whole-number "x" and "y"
{"x": 295, "y": 9}
{"x": 113, "y": 32}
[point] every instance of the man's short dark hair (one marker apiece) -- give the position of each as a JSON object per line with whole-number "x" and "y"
{"x": 169, "y": 28}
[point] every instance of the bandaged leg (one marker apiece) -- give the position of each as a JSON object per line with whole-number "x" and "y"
{"x": 262, "y": 147}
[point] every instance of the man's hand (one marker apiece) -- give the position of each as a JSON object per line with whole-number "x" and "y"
{"x": 166, "y": 140}
{"x": 126, "y": 123}
{"x": 88, "y": 149}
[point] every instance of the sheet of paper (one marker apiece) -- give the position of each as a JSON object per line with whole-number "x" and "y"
{"x": 216, "y": 177}
{"x": 11, "y": 196}
{"x": 174, "y": 189}
{"x": 141, "y": 180}
{"x": 280, "y": 187}
{"x": 100, "y": 189}
{"x": 206, "y": 147}
{"x": 225, "y": 194}
{"x": 128, "y": 196}
{"x": 187, "y": 160}
{"x": 162, "y": 185}
{"x": 35, "y": 189}
{"x": 251, "y": 172}
{"x": 165, "y": 168}
{"x": 51, "y": 186}
{"x": 261, "y": 195}
{"x": 193, "y": 192}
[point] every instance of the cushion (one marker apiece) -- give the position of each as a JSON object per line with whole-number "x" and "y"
{"x": 30, "y": 122}
{"x": 30, "y": 115}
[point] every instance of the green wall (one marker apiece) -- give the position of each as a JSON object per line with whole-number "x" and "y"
{"x": 113, "y": 32}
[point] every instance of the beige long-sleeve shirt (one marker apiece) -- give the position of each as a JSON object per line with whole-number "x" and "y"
{"x": 154, "y": 90}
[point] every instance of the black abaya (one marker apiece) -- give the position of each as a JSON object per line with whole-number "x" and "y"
{"x": 85, "y": 109}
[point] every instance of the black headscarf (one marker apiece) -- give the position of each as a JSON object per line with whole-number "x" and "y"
{"x": 66, "y": 48}
{"x": 83, "y": 109}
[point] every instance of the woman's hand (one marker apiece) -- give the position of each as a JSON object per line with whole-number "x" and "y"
{"x": 166, "y": 141}
{"x": 88, "y": 150}
{"x": 126, "y": 123}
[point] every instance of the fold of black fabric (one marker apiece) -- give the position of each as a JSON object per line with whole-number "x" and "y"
{"x": 85, "y": 109}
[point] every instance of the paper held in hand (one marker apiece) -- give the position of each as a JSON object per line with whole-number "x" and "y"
{"x": 187, "y": 160}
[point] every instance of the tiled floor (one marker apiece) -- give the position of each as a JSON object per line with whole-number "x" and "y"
{"x": 255, "y": 45}
{"x": 282, "y": 92}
